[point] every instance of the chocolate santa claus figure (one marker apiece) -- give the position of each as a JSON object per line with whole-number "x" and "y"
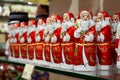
{"x": 67, "y": 36}
{"x": 85, "y": 49}
{"x": 103, "y": 30}
{"x": 23, "y": 41}
{"x": 39, "y": 41}
{"x": 12, "y": 20}
{"x": 55, "y": 41}
{"x": 16, "y": 41}
{"x": 114, "y": 21}
{"x": 31, "y": 40}
{"x": 47, "y": 50}
{"x": 10, "y": 37}
{"x": 117, "y": 46}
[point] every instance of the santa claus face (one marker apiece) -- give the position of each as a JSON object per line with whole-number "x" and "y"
{"x": 39, "y": 22}
{"x": 32, "y": 23}
{"x": 29, "y": 24}
{"x": 65, "y": 17}
{"x": 100, "y": 17}
{"x": 53, "y": 20}
{"x": 22, "y": 25}
{"x": 16, "y": 25}
{"x": 48, "y": 21}
{"x": 115, "y": 18}
{"x": 11, "y": 26}
{"x": 95, "y": 18}
{"x": 85, "y": 16}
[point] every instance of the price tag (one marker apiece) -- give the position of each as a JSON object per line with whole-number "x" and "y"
{"x": 27, "y": 71}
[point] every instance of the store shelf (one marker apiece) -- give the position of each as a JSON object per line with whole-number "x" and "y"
{"x": 80, "y": 75}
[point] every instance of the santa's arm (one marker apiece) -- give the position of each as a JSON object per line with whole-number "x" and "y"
{"x": 23, "y": 37}
{"x": 105, "y": 34}
{"x": 77, "y": 32}
{"x": 56, "y": 35}
{"x": 37, "y": 36}
{"x": 31, "y": 37}
{"x": 70, "y": 34}
{"x": 90, "y": 36}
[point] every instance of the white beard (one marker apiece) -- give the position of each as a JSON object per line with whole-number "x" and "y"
{"x": 85, "y": 24}
{"x": 23, "y": 30}
{"x": 67, "y": 24}
{"x": 70, "y": 23}
{"x": 30, "y": 29}
{"x": 51, "y": 28}
{"x": 98, "y": 25}
{"x": 57, "y": 25}
{"x": 114, "y": 26}
{"x": 38, "y": 29}
{"x": 47, "y": 28}
{"x": 15, "y": 32}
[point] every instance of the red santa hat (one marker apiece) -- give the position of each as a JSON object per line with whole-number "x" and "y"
{"x": 118, "y": 14}
{"x": 111, "y": 19}
{"x": 32, "y": 22}
{"x": 57, "y": 18}
{"x": 70, "y": 15}
{"x": 104, "y": 14}
{"x": 23, "y": 24}
{"x": 85, "y": 11}
{"x": 43, "y": 21}
{"x": 17, "y": 25}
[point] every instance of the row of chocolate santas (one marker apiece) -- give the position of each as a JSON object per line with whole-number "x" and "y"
{"x": 80, "y": 44}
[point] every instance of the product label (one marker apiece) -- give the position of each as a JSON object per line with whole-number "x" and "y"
{"x": 28, "y": 71}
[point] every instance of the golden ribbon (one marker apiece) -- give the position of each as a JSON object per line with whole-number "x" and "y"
{"x": 76, "y": 50}
{"x": 85, "y": 44}
{"x": 65, "y": 44}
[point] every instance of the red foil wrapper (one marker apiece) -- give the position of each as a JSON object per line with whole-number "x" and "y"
{"x": 69, "y": 52}
{"x": 16, "y": 50}
{"x": 89, "y": 49}
{"x": 57, "y": 53}
{"x": 47, "y": 52}
{"x": 104, "y": 55}
{"x": 23, "y": 48}
{"x": 31, "y": 49}
{"x": 39, "y": 51}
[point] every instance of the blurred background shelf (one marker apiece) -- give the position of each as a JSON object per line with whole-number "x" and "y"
{"x": 23, "y": 2}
